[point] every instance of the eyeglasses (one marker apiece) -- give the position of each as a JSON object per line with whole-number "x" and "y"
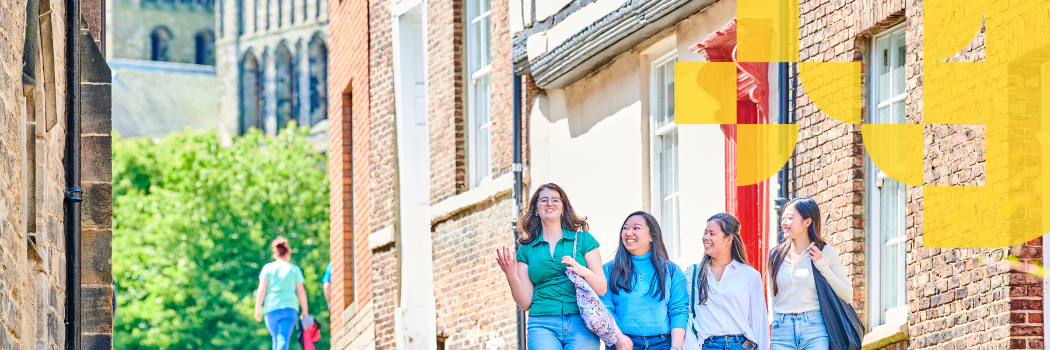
{"x": 545, "y": 200}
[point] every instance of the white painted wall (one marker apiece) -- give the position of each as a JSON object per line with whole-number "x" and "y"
{"x": 592, "y": 138}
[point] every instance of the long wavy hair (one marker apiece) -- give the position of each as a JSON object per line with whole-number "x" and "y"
{"x": 623, "y": 265}
{"x": 730, "y": 227}
{"x": 808, "y": 209}
{"x": 529, "y": 223}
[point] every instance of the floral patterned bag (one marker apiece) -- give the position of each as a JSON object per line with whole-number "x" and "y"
{"x": 592, "y": 310}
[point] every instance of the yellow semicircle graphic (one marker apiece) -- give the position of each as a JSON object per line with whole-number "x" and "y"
{"x": 896, "y": 149}
{"x": 834, "y": 87}
{"x": 949, "y": 26}
{"x": 762, "y": 149}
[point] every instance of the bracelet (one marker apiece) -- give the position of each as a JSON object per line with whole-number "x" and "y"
{"x": 676, "y": 348}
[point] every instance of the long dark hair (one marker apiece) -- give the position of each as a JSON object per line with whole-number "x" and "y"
{"x": 808, "y": 209}
{"x": 623, "y": 266}
{"x": 529, "y": 223}
{"x": 730, "y": 227}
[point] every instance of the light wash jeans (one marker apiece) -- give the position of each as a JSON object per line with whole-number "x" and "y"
{"x": 652, "y": 342}
{"x": 727, "y": 342}
{"x": 280, "y": 323}
{"x": 802, "y": 331}
{"x": 565, "y": 332}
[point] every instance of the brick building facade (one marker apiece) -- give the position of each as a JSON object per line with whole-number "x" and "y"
{"x": 591, "y": 78}
{"x": 56, "y": 288}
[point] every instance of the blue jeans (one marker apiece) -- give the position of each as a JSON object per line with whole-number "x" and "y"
{"x": 652, "y": 342}
{"x": 727, "y": 342}
{"x": 802, "y": 331}
{"x": 280, "y": 323}
{"x": 566, "y": 332}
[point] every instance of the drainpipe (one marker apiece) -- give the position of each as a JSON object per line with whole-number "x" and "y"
{"x": 782, "y": 118}
{"x": 517, "y": 168}
{"x": 794, "y": 106}
{"x": 71, "y": 164}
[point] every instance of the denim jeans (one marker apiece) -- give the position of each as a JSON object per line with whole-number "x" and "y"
{"x": 280, "y": 323}
{"x": 566, "y": 332}
{"x": 652, "y": 342}
{"x": 727, "y": 342}
{"x": 802, "y": 331}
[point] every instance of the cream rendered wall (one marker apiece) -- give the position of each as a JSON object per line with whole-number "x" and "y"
{"x": 586, "y": 139}
{"x": 593, "y": 139}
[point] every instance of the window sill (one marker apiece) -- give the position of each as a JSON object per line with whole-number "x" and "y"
{"x": 895, "y": 330}
{"x": 486, "y": 191}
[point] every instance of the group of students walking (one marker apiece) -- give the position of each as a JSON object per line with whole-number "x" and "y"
{"x": 717, "y": 303}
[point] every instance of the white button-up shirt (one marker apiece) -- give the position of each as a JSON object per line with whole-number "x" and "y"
{"x": 798, "y": 291}
{"x": 735, "y": 305}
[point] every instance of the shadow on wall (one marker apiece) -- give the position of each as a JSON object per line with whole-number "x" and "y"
{"x": 595, "y": 98}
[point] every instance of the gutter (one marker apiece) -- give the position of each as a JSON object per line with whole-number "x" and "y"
{"x": 71, "y": 165}
{"x": 517, "y": 167}
{"x": 782, "y": 118}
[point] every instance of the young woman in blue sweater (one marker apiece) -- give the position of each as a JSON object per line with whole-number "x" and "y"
{"x": 647, "y": 293}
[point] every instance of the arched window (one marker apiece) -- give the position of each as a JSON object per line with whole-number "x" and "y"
{"x": 251, "y": 94}
{"x": 285, "y": 85}
{"x": 318, "y": 80}
{"x": 160, "y": 40}
{"x": 205, "y": 48}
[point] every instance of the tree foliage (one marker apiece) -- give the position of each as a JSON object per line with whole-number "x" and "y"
{"x": 193, "y": 219}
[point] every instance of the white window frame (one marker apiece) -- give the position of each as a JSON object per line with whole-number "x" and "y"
{"x": 478, "y": 171}
{"x": 876, "y": 180}
{"x": 671, "y": 230}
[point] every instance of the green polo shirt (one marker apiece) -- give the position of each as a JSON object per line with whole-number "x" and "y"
{"x": 553, "y": 293}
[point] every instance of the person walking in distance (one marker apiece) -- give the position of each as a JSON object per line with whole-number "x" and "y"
{"x": 536, "y": 274}
{"x": 280, "y": 295}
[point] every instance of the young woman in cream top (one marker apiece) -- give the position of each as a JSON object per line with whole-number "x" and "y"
{"x": 797, "y": 320}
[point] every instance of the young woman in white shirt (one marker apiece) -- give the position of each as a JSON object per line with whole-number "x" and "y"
{"x": 797, "y": 320}
{"x": 727, "y": 306}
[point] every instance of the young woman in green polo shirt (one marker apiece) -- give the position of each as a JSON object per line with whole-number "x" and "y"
{"x": 537, "y": 276}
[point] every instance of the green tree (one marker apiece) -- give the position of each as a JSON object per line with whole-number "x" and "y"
{"x": 193, "y": 219}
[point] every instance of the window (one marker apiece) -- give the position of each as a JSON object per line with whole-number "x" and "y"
{"x": 479, "y": 120}
{"x": 205, "y": 48}
{"x": 285, "y": 85}
{"x": 160, "y": 39}
{"x": 349, "y": 270}
{"x": 886, "y": 236}
{"x": 251, "y": 83}
{"x": 318, "y": 71}
{"x": 664, "y": 157}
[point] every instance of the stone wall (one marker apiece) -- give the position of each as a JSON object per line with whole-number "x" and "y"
{"x": 33, "y": 243}
{"x": 131, "y": 22}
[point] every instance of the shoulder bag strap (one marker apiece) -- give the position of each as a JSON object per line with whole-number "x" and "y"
{"x": 692, "y": 300}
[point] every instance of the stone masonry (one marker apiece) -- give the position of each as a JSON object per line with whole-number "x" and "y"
{"x": 33, "y": 241}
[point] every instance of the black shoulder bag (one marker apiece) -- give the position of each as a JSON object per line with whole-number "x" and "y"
{"x": 845, "y": 330}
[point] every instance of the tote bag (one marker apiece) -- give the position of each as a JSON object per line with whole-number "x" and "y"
{"x": 845, "y": 330}
{"x": 592, "y": 310}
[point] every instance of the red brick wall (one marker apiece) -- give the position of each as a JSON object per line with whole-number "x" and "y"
{"x": 349, "y": 154}
{"x": 955, "y": 301}
{"x": 473, "y": 303}
{"x": 385, "y": 294}
{"x": 384, "y": 169}
{"x": 381, "y": 89}
{"x": 445, "y": 98}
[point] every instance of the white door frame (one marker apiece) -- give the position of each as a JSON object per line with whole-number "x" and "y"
{"x": 415, "y": 320}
